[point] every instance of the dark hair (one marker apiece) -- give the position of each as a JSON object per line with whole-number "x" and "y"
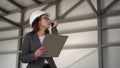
{"x": 35, "y": 26}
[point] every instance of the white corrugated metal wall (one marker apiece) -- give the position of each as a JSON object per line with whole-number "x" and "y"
{"x": 93, "y": 40}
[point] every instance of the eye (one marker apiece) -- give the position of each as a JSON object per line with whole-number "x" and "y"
{"x": 47, "y": 18}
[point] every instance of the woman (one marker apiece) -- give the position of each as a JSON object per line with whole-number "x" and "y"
{"x": 32, "y": 50}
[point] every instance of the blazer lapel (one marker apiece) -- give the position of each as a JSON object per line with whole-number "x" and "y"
{"x": 35, "y": 42}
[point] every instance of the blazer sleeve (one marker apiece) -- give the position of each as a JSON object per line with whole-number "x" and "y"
{"x": 54, "y": 30}
{"x": 26, "y": 55}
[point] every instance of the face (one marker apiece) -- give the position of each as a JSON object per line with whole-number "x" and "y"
{"x": 44, "y": 22}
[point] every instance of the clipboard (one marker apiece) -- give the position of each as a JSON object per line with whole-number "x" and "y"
{"x": 54, "y": 44}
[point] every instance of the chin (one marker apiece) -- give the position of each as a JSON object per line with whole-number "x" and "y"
{"x": 47, "y": 27}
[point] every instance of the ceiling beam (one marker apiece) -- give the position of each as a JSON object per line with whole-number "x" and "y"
{"x": 12, "y": 38}
{"x": 9, "y": 21}
{"x": 3, "y": 10}
{"x": 111, "y": 44}
{"x": 37, "y": 1}
{"x": 109, "y": 6}
{"x": 111, "y": 13}
{"x": 46, "y": 7}
{"x": 111, "y": 27}
{"x": 8, "y": 52}
{"x": 26, "y": 8}
{"x": 16, "y": 4}
{"x": 78, "y": 30}
{"x": 71, "y": 9}
{"x": 77, "y": 18}
{"x": 8, "y": 28}
{"x": 11, "y": 12}
{"x": 57, "y": 9}
{"x": 92, "y": 6}
{"x": 80, "y": 46}
{"x": 92, "y": 16}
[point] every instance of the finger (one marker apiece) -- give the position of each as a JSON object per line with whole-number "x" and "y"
{"x": 41, "y": 48}
{"x": 55, "y": 23}
{"x": 41, "y": 53}
{"x": 45, "y": 50}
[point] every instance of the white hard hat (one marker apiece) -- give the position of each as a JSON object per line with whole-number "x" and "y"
{"x": 34, "y": 15}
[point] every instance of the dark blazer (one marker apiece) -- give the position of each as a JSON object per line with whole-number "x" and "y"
{"x": 30, "y": 44}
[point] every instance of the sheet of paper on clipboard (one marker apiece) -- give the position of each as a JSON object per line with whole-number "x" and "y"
{"x": 54, "y": 44}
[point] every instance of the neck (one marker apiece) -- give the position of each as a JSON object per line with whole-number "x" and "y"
{"x": 41, "y": 32}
